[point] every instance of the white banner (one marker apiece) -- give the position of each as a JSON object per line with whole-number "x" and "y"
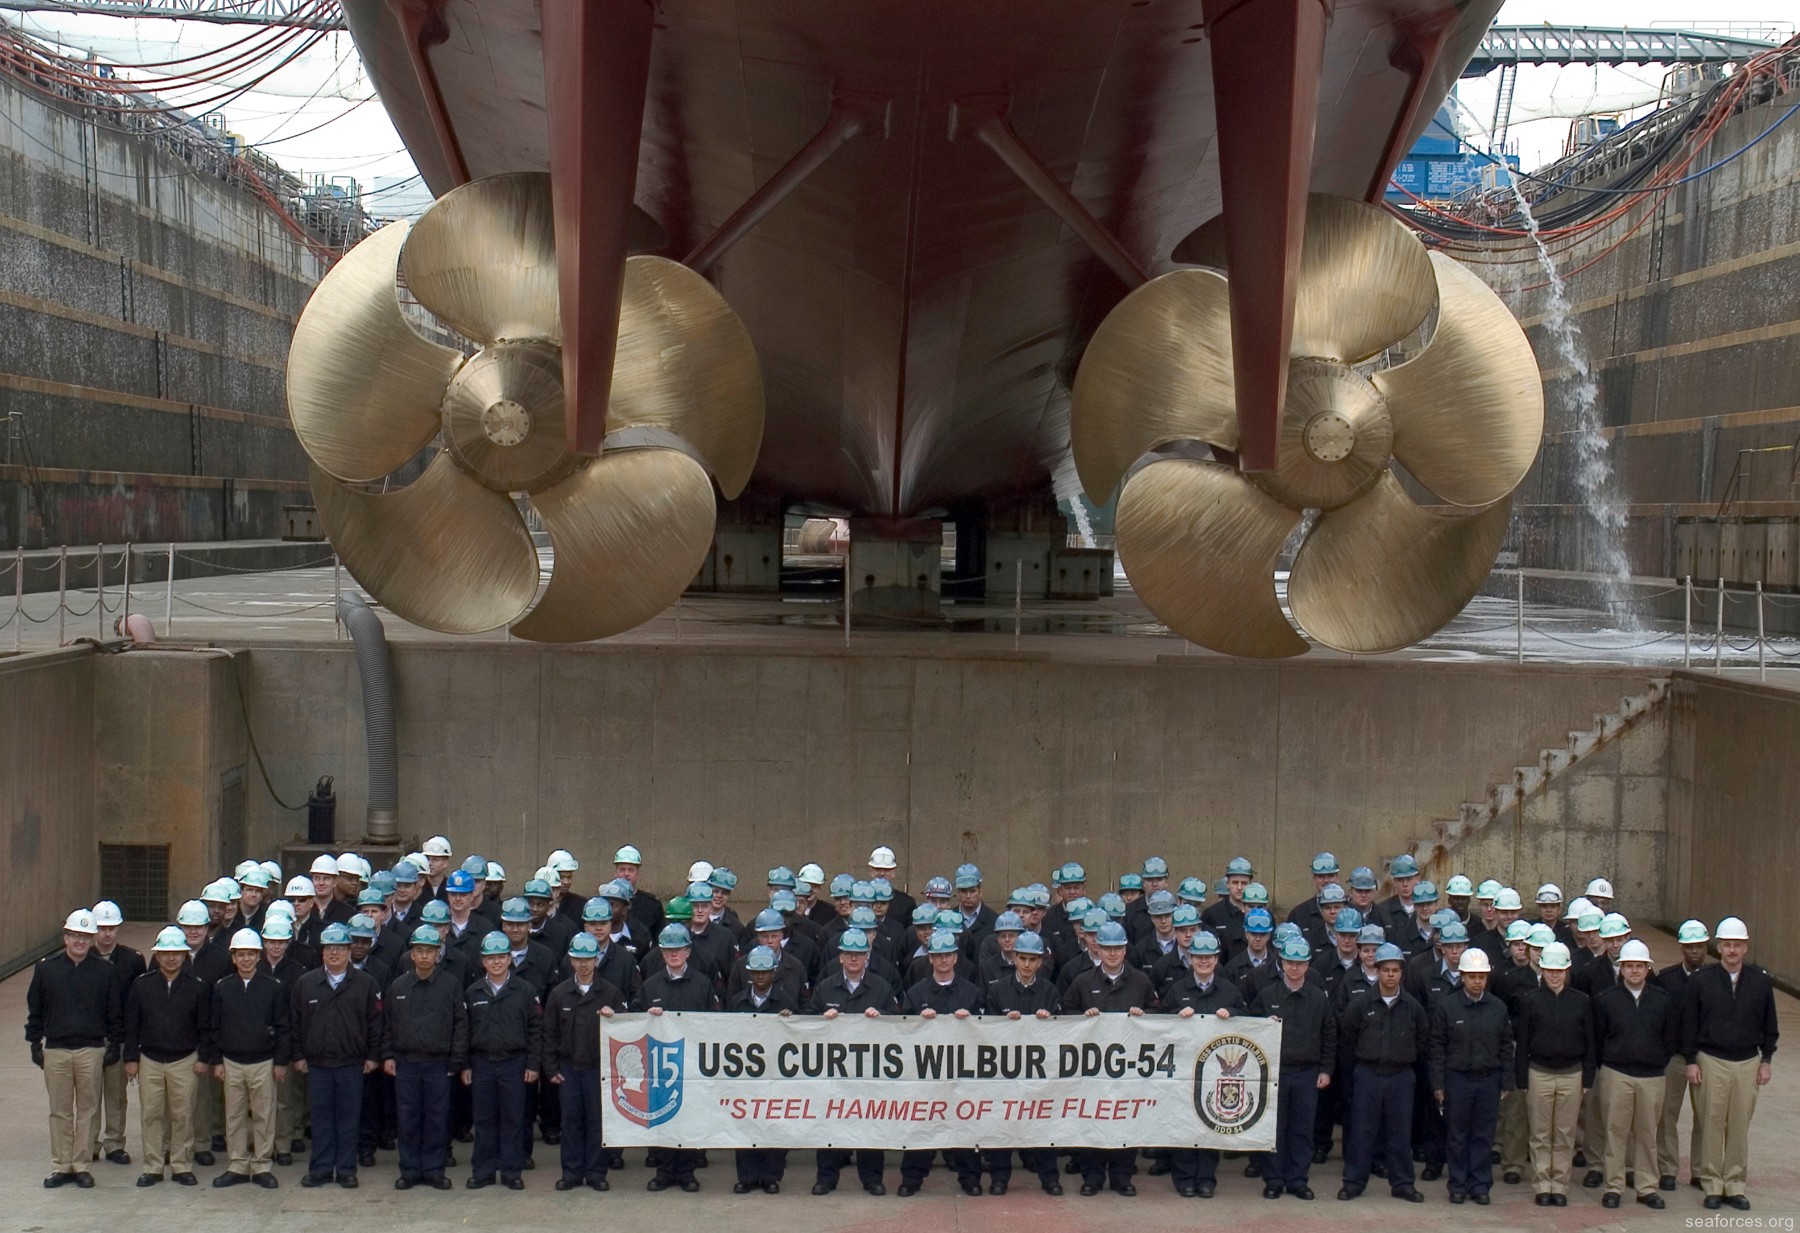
{"x": 721, "y": 1081}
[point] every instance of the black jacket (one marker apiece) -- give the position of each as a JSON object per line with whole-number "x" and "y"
{"x": 1092, "y": 989}
{"x": 1732, "y": 1024}
{"x": 506, "y": 1024}
{"x": 1556, "y": 1032}
{"x": 1222, "y": 994}
{"x": 167, "y": 1020}
{"x": 425, "y": 1020}
{"x": 1636, "y": 1036}
{"x": 1251, "y": 977}
{"x": 790, "y": 975}
{"x": 1006, "y": 994}
{"x": 617, "y": 967}
{"x": 780, "y": 998}
{"x": 336, "y": 1027}
{"x": 571, "y": 1032}
{"x": 128, "y": 965}
{"x": 1388, "y": 1038}
{"x": 959, "y": 994}
{"x": 74, "y": 1005}
{"x": 832, "y": 993}
{"x": 1470, "y": 1036}
{"x": 249, "y": 1021}
{"x": 694, "y": 991}
{"x": 1308, "y": 1028}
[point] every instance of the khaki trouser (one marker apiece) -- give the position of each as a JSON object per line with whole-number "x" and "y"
{"x": 1590, "y": 1128}
{"x": 1628, "y": 1109}
{"x": 1515, "y": 1134}
{"x": 109, "y": 1128}
{"x": 249, "y": 1115}
{"x": 1677, "y": 1089}
{"x": 1555, "y": 1104}
{"x": 166, "y": 1109}
{"x": 1727, "y": 1103}
{"x": 72, "y": 1078}
{"x": 209, "y": 1104}
{"x": 290, "y": 1109}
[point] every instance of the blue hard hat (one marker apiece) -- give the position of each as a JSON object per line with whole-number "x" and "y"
{"x": 761, "y": 959}
{"x": 1029, "y": 944}
{"x": 1256, "y": 894}
{"x": 1040, "y": 894}
{"x": 369, "y": 896}
{"x": 1009, "y": 922}
{"x": 1160, "y": 903}
{"x": 1371, "y": 935}
{"x": 883, "y": 889}
{"x": 537, "y": 888}
{"x": 1454, "y": 932}
{"x": 425, "y": 935}
{"x": 1424, "y": 892}
{"x": 1442, "y": 917}
{"x": 863, "y": 917}
{"x": 382, "y": 883}
{"x": 1112, "y": 905}
{"x": 1131, "y": 881}
{"x": 924, "y": 915}
{"x": 495, "y": 943}
{"x": 784, "y": 901}
{"x": 953, "y": 921}
{"x": 1285, "y": 930}
{"x": 1296, "y": 950}
{"x": 967, "y": 877}
{"x": 1239, "y": 867}
{"x": 515, "y": 910}
{"x": 1258, "y": 920}
{"x": 1204, "y": 943}
{"x": 1186, "y": 914}
{"x": 584, "y": 946}
{"x": 437, "y": 912}
{"x": 768, "y": 921}
{"x": 476, "y": 867}
{"x": 1069, "y": 873}
{"x": 462, "y": 882}
{"x": 1192, "y": 889}
{"x": 862, "y": 892}
{"x": 943, "y": 942}
{"x": 1021, "y": 897}
{"x": 407, "y": 872}
{"x": 1221, "y": 888}
{"x": 699, "y": 892}
{"x": 362, "y": 927}
{"x": 1093, "y": 919}
{"x": 1112, "y": 933}
{"x": 596, "y": 909}
{"x": 781, "y": 875}
{"x": 674, "y": 937}
{"x": 1078, "y": 908}
{"x": 1403, "y": 866}
{"x": 1324, "y": 865}
{"x": 1349, "y": 921}
{"x": 1362, "y": 878}
{"x": 334, "y": 934}
{"x": 1155, "y": 867}
{"x": 722, "y": 878}
{"x": 1331, "y": 892}
{"x": 854, "y": 940}
{"x": 938, "y": 888}
{"x": 1387, "y": 952}
{"x": 618, "y": 888}
{"x": 840, "y": 886}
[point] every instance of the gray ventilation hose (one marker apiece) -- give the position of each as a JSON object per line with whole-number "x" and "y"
{"x": 377, "y": 673}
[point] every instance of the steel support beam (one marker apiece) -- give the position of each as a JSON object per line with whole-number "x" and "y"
{"x": 424, "y": 27}
{"x": 1416, "y": 55}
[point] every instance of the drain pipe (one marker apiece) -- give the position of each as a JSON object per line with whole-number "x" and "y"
{"x": 376, "y": 671}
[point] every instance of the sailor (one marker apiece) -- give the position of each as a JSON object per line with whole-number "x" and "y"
{"x": 1185, "y": 924}
{"x": 1306, "y": 914}
{"x": 1087, "y": 956}
{"x": 1255, "y": 965}
{"x": 390, "y": 939}
{"x": 1603, "y": 936}
{"x": 425, "y": 1039}
{"x": 336, "y": 1040}
{"x": 942, "y": 992}
{"x": 1360, "y": 891}
{"x": 403, "y": 913}
{"x": 326, "y": 905}
{"x": 625, "y": 932}
{"x": 1635, "y": 1030}
{"x": 1555, "y": 1067}
{"x": 978, "y": 918}
{"x": 1459, "y": 893}
{"x": 1069, "y": 881}
{"x": 208, "y": 962}
{"x": 1021, "y": 992}
{"x": 437, "y": 852}
{"x": 1600, "y": 893}
{"x": 613, "y": 963}
{"x": 1318, "y": 926}
{"x": 1471, "y": 1066}
{"x": 1111, "y": 987}
{"x": 505, "y": 1044}
{"x": 1728, "y": 1035}
{"x": 762, "y": 994}
{"x": 1200, "y": 991}
{"x": 571, "y": 1049}
{"x": 883, "y": 867}
{"x": 1157, "y": 936}
{"x": 1431, "y": 975}
{"x": 677, "y": 984}
{"x": 1001, "y": 949}
{"x": 464, "y": 929}
{"x": 840, "y": 905}
{"x": 127, "y": 965}
{"x": 1153, "y": 877}
{"x": 253, "y": 894}
{"x": 249, "y": 1053}
{"x": 769, "y": 932}
{"x": 378, "y": 1089}
{"x": 890, "y": 924}
{"x": 724, "y": 884}
{"x": 1225, "y": 918}
{"x": 1331, "y": 968}
{"x": 1549, "y": 901}
{"x": 808, "y": 882}
{"x": 1692, "y": 938}
{"x": 486, "y": 909}
{"x": 1516, "y": 978}
{"x": 1603, "y": 972}
{"x": 1493, "y": 939}
{"x": 549, "y": 928}
{"x": 75, "y": 1025}
{"x": 1395, "y": 912}
{"x": 1485, "y": 916}
{"x": 645, "y": 910}
{"x": 1386, "y": 1031}
{"x": 1413, "y": 931}
{"x": 168, "y": 1018}
{"x": 713, "y": 945}
{"x": 852, "y": 990}
{"x": 1308, "y": 1056}
{"x": 493, "y": 889}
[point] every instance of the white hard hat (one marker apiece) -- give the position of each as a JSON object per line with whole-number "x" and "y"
{"x": 299, "y": 886}
{"x": 699, "y": 871}
{"x": 80, "y": 921}
{"x": 437, "y": 845}
{"x": 216, "y": 891}
{"x": 282, "y": 908}
{"x": 495, "y": 873}
{"x": 1731, "y": 929}
{"x": 273, "y": 869}
{"x": 1634, "y": 951}
{"x": 1692, "y": 931}
{"x": 1549, "y": 892}
{"x": 192, "y": 913}
{"x": 811, "y": 873}
{"x": 107, "y": 913}
{"x": 1473, "y": 960}
{"x": 1507, "y": 900}
{"x": 882, "y": 858}
{"x": 352, "y": 864}
{"x": 546, "y": 874}
{"x": 628, "y": 855}
{"x": 1459, "y": 885}
{"x": 1600, "y": 887}
{"x": 1555, "y": 957}
{"x": 325, "y": 865}
{"x": 246, "y": 939}
{"x": 562, "y": 860}
{"x": 244, "y": 866}
{"x": 1578, "y": 909}
{"x": 419, "y": 861}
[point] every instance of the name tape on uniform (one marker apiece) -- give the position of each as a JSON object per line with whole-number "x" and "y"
{"x": 726, "y": 1081}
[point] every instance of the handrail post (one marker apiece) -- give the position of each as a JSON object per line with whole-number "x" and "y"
{"x": 100, "y": 591}
{"x": 1519, "y": 624}
{"x": 169, "y": 597}
{"x": 1687, "y": 621}
{"x": 1762, "y": 661}
{"x": 1719, "y": 632}
{"x": 125, "y": 603}
{"x": 62, "y": 596}
{"x": 18, "y": 597}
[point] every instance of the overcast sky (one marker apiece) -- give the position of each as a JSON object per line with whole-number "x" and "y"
{"x": 318, "y": 115}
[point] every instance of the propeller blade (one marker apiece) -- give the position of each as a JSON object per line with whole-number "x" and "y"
{"x": 1157, "y": 370}
{"x": 1383, "y": 573}
{"x": 483, "y": 258}
{"x": 630, "y": 529}
{"x": 1199, "y": 542}
{"x": 685, "y": 364}
{"x": 1468, "y": 410}
{"x": 363, "y": 387}
{"x": 1365, "y": 280}
{"x": 442, "y": 552}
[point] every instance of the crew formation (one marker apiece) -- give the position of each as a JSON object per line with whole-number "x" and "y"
{"x": 349, "y": 1011}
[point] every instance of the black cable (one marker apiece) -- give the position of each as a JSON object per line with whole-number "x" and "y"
{"x": 250, "y": 732}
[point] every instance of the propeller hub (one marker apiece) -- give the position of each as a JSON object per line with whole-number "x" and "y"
{"x": 1336, "y": 437}
{"x": 503, "y": 417}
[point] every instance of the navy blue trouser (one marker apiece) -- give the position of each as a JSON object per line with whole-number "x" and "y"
{"x": 1296, "y": 1107}
{"x": 1428, "y": 1119}
{"x": 756, "y": 1165}
{"x": 1112, "y": 1165}
{"x": 1042, "y": 1161}
{"x": 422, "y": 1106}
{"x": 1334, "y": 1104}
{"x": 869, "y": 1164}
{"x": 1380, "y": 1122}
{"x": 334, "y": 1094}
{"x": 1190, "y": 1166}
{"x": 579, "y": 1106}
{"x": 377, "y": 1110}
{"x": 498, "y": 1096}
{"x": 1471, "y": 1114}
{"x": 674, "y": 1165}
{"x": 915, "y": 1165}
